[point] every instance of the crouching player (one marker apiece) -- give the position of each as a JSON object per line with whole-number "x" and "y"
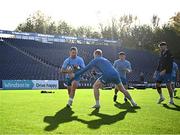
{"x": 109, "y": 75}
{"x": 71, "y": 65}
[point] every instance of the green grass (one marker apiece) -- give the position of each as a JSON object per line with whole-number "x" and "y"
{"x": 29, "y": 112}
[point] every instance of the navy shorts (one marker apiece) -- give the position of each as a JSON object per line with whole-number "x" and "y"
{"x": 115, "y": 78}
{"x": 124, "y": 80}
{"x": 68, "y": 81}
{"x": 166, "y": 78}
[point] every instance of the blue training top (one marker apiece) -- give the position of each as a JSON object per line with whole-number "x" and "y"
{"x": 102, "y": 64}
{"x": 121, "y": 66}
{"x": 77, "y": 62}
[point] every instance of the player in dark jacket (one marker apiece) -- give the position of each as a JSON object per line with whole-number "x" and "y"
{"x": 163, "y": 72}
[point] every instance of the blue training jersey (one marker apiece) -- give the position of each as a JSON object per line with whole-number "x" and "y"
{"x": 121, "y": 66}
{"x": 174, "y": 69}
{"x": 72, "y": 63}
{"x": 102, "y": 64}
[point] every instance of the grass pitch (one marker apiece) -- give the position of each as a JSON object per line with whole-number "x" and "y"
{"x": 30, "y": 112}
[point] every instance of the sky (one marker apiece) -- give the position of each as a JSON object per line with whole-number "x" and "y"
{"x": 85, "y": 12}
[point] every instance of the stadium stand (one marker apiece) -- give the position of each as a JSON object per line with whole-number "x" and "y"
{"x": 29, "y": 59}
{"x": 16, "y": 65}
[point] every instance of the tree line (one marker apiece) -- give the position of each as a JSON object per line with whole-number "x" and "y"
{"x": 126, "y": 28}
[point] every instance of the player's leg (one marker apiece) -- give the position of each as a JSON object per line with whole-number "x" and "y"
{"x": 173, "y": 88}
{"x": 97, "y": 85}
{"x": 74, "y": 85}
{"x": 170, "y": 90}
{"x": 159, "y": 90}
{"x": 126, "y": 93}
{"x": 115, "y": 94}
{"x": 159, "y": 80}
{"x": 69, "y": 90}
{"x": 124, "y": 82}
{"x": 126, "y": 87}
{"x": 67, "y": 84}
{"x": 173, "y": 84}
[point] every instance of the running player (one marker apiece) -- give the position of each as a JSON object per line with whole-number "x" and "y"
{"x": 163, "y": 72}
{"x": 123, "y": 67}
{"x": 71, "y": 65}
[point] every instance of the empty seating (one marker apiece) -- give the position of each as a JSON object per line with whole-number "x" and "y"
{"x": 33, "y": 63}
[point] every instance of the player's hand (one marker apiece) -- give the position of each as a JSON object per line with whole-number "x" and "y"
{"x": 66, "y": 71}
{"x": 76, "y": 67}
{"x": 128, "y": 70}
{"x": 69, "y": 71}
{"x": 162, "y": 72}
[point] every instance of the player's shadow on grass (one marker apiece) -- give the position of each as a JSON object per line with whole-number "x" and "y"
{"x": 175, "y": 108}
{"x": 177, "y": 97}
{"x": 105, "y": 119}
{"x": 62, "y": 116}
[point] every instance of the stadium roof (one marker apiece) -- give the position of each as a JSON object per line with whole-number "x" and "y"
{"x": 55, "y": 38}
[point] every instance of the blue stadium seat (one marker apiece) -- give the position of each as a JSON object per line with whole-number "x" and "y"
{"x": 16, "y": 65}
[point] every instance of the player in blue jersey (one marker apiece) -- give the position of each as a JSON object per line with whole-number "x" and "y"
{"x": 175, "y": 76}
{"x": 123, "y": 67}
{"x": 163, "y": 72}
{"x": 72, "y": 64}
{"x": 109, "y": 75}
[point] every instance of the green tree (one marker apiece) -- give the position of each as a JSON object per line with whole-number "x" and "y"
{"x": 37, "y": 22}
{"x": 64, "y": 28}
{"x": 40, "y": 22}
{"x": 28, "y": 26}
{"x": 175, "y": 22}
{"x": 155, "y": 21}
{"x": 51, "y": 28}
